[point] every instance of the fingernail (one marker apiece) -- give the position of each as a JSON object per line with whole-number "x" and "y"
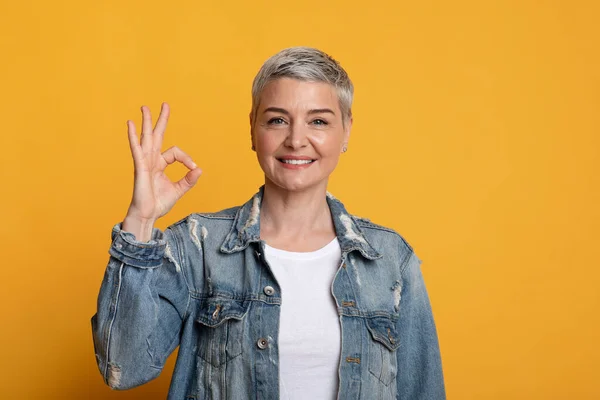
{"x": 194, "y": 164}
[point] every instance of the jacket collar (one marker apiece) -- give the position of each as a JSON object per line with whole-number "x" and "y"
{"x": 246, "y": 228}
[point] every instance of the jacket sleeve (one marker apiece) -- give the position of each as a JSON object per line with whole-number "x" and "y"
{"x": 142, "y": 302}
{"x": 420, "y": 375}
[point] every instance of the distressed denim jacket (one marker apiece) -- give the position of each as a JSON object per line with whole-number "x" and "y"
{"x": 204, "y": 285}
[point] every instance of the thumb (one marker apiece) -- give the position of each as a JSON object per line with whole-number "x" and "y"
{"x": 189, "y": 180}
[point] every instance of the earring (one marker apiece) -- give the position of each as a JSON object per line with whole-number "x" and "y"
{"x": 344, "y": 149}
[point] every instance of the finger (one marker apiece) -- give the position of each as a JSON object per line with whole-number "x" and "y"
{"x": 189, "y": 180}
{"x": 161, "y": 126}
{"x": 163, "y": 118}
{"x": 176, "y": 154}
{"x": 146, "y": 138}
{"x": 134, "y": 146}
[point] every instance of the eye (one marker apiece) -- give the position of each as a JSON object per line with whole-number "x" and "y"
{"x": 276, "y": 121}
{"x": 320, "y": 121}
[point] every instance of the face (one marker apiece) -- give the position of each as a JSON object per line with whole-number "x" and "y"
{"x": 298, "y": 133}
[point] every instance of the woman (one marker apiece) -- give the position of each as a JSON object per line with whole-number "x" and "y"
{"x": 286, "y": 296}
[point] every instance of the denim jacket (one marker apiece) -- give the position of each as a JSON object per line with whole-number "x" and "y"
{"x": 204, "y": 285}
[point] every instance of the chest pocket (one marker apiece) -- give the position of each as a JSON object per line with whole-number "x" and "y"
{"x": 382, "y": 360}
{"x": 221, "y": 329}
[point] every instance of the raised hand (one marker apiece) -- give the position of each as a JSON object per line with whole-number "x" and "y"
{"x": 153, "y": 192}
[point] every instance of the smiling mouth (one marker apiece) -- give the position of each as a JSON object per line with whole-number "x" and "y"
{"x": 296, "y": 162}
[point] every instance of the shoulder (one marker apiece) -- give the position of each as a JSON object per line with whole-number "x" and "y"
{"x": 199, "y": 231}
{"x": 224, "y": 217}
{"x": 389, "y": 242}
{"x": 378, "y": 232}
{"x": 224, "y": 214}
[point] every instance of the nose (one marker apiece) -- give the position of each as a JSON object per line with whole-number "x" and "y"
{"x": 297, "y": 135}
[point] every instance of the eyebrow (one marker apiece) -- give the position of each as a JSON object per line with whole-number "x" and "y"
{"x": 286, "y": 112}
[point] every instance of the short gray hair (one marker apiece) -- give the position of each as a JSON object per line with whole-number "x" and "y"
{"x": 306, "y": 64}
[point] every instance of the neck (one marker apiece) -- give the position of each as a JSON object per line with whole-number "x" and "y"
{"x": 286, "y": 213}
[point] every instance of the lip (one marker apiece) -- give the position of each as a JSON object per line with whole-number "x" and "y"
{"x": 295, "y": 158}
{"x": 295, "y": 166}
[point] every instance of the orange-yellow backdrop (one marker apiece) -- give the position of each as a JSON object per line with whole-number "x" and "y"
{"x": 476, "y": 136}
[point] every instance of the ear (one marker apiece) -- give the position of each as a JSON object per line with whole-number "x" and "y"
{"x": 347, "y": 128}
{"x": 251, "y": 131}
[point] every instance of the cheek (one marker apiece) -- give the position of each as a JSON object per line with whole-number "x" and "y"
{"x": 267, "y": 142}
{"x": 326, "y": 142}
{"x": 266, "y": 146}
{"x": 319, "y": 139}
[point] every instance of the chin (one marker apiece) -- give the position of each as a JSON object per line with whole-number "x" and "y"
{"x": 294, "y": 185}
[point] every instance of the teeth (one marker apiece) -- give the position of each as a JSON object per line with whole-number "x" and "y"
{"x": 297, "y": 161}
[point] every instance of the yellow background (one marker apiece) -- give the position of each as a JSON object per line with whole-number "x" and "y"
{"x": 476, "y": 136}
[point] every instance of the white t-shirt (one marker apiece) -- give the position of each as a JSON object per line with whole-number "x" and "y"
{"x": 309, "y": 333}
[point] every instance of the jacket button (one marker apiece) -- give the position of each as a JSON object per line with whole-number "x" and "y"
{"x": 269, "y": 290}
{"x": 119, "y": 246}
{"x": 262, "y": 343}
